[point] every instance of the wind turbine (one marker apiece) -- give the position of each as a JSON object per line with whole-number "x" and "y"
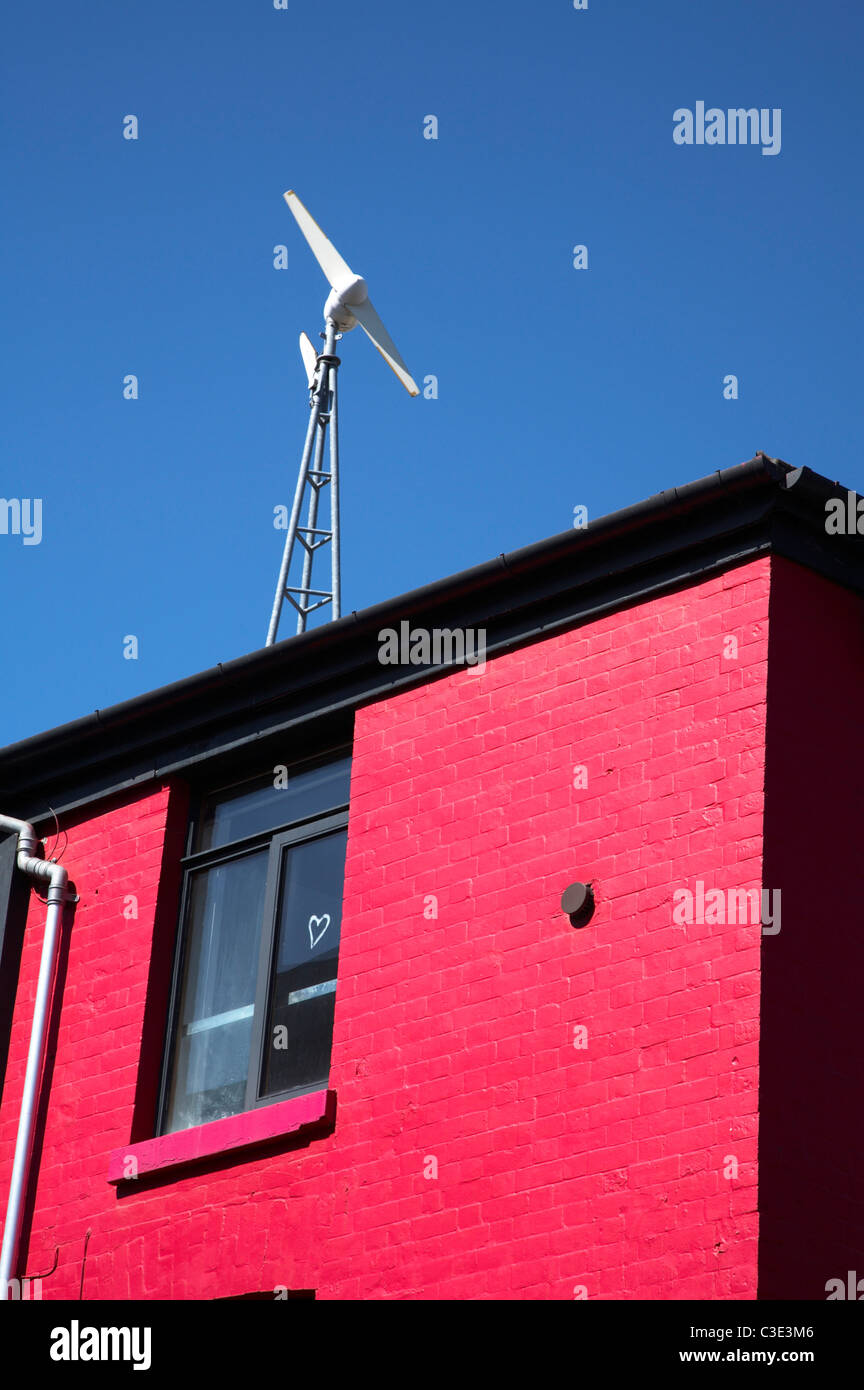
{"x": 348, "y": 304}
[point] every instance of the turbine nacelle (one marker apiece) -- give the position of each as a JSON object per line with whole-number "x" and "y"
{"x": 344, "y": 296}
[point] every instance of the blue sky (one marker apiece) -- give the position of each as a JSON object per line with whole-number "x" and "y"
{"x": 557, "y": 386}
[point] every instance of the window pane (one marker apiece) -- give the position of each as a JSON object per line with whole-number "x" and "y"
{"x": 217, "y": 1004}
{"x": 300, "y": 1022}
{"x": 258, "y": 805}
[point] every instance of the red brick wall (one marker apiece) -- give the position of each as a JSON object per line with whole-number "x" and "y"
{"x": 557, "y": 1167}
{"x": 94, "y": 1044}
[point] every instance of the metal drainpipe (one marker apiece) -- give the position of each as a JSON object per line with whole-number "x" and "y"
{"x": 57, "y": 878}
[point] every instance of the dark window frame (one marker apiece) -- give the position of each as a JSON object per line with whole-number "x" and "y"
{"x": 295, "y": 832}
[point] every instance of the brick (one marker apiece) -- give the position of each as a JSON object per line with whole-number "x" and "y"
{"x": 464, "y": 1025}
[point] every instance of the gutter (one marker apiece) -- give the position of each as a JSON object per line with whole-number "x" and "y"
{"x": 326, "y": 673}
{"x": 673, "y": 504}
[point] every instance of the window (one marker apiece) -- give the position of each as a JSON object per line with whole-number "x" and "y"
{"x": 255, "y": 973}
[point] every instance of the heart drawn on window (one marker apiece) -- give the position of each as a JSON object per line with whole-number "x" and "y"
{"x": 316, "y": 922}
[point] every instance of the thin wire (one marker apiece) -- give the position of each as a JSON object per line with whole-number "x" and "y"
{"x": 84, "y": 1262}
{"x": 51, "y": 854}
{"x": 39, "y": 889}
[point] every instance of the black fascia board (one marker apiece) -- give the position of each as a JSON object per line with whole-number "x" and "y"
{"x": 257, "y": 702}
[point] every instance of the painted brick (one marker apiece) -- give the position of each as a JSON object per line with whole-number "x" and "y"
{"x": 454, "y": 1036}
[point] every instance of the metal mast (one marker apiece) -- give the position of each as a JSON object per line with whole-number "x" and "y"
{"x": 348, "y": 304}
{"x": 311, "y": 536}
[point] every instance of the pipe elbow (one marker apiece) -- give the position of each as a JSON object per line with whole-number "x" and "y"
{"x": 55, "y": 875}
{"x": 28, "y": 840}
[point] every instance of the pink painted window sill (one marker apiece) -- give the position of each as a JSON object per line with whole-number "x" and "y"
{"x": 236, "y": 1134}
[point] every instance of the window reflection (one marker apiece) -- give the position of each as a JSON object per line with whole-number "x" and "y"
{"x": 217, "y": 1003}
{"x": 302, "y": 998}
{"x": 258, "y": 806}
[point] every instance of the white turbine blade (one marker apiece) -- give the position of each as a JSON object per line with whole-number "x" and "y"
{"x": 373, "y": 328}
{"x": 310, "y": 357}
{"x": 325, "y": 253}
